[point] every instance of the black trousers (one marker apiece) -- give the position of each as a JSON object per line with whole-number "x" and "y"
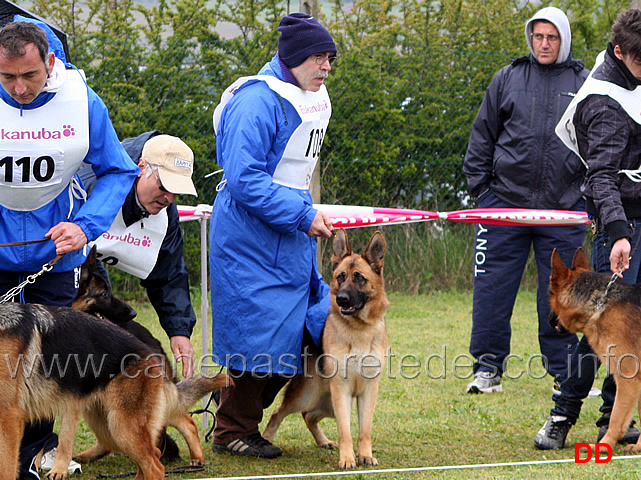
{"x": 500, "y": 256}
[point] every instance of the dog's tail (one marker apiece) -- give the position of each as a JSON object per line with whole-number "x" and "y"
{"x": 193, "y": 388}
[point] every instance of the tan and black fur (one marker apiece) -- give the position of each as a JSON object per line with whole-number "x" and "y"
{"x": 610, "y": 318}
{"x": 60, "y": 361}
{"x": 354, "y": 349}
{"x": 95, "y": 296}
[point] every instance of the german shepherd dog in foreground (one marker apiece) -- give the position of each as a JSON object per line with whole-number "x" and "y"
{"x": 609, "y": 315}
{"x": 60, "y": 361}
{"x": 353, "y": 356}
{"x": 96, "y": 297}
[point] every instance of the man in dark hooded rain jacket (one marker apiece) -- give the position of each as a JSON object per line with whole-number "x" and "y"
{"x": 514, "y": 159}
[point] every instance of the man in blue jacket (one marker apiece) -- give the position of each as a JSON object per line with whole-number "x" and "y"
{"x": 514, "y": 159}
{"x": 51, "y": 123}
{"x": 266, "y": 290}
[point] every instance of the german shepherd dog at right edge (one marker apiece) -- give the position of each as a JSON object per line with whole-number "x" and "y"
{"x": 609, "y": 314}
{"x": 60, "y": 361}
{"x": 354, "y": 349}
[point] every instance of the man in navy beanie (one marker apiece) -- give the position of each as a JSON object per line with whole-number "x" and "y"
{"x": 266, "y": 290}
{"x": 300, "y": 37}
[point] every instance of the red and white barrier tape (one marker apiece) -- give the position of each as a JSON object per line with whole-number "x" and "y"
{"x": 352, "y": 216}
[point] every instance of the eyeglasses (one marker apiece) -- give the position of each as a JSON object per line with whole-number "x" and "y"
{"x": 160, "y": 185}
{"x": 539, "y": 37}
{"x": 321, "y": 58}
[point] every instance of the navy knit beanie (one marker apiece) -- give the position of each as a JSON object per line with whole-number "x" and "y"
{"x": 300, "y": 37}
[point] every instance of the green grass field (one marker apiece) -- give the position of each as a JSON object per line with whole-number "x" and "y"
{"x": 424, "y": 418}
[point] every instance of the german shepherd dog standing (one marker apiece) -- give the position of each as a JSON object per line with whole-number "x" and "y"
{"x": 96, "y": 297}
{"x": 60, "y": 361}
{"x": 609, "y": 315}
{"x": 353, "y": 354}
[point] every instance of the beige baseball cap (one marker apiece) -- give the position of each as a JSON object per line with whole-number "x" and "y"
{"x": 175, "y": 162}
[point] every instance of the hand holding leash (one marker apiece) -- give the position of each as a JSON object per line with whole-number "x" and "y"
{"x": 68, "y": 237}
{"x": 620, "y": 256}
{"x": 321, "y": 226}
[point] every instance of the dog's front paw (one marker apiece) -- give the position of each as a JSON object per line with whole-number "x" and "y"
{"x": 632, "y": 448}
{"x": 329, "y": 445}
{"x": 601, "y": 447}
{"x": 197, "y": 462}
{"x": 347, "y": 463}
{"x": 55, "y": 474}
{"x": 367, "y": 460}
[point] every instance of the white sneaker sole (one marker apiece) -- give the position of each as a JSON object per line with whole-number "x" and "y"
{"x": 493, "y": 389}
{"x": 594, "y": 392}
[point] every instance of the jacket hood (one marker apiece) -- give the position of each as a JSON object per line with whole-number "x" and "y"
{"x": 557, "y": 18}
{"x": 55, "y": 45}
{"x": 273, "y": 68}
{"x": 56, "y": 78}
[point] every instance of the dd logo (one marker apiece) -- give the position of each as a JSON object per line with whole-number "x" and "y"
{"x": 597, "y": 453}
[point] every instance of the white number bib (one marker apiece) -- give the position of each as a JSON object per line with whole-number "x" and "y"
{"x": 133, "y": 249}
{"x": 630, "y": 101}
{"x": 42, "y": 149}
{"x": 303, "y": 148}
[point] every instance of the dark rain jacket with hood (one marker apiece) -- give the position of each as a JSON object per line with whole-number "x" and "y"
{"x": 513, "y": 149}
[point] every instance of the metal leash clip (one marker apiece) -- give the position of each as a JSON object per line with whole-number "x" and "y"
{"x": 601, "y": 302}
{"x": 47, "y": 267}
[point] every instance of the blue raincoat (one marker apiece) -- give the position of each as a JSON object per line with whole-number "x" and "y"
{"x": 265, "y": 284}
{"x": 110, "y": 163}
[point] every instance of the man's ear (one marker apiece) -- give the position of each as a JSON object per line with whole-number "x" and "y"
{"x": 617, "y": 52}
{"x": 51, "y": 61}
{"x": 141, "y": 165}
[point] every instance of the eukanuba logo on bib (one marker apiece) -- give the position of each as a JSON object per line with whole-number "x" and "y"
{"x": 41, "y": 134}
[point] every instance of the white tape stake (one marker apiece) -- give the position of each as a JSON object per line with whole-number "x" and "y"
{"x": 414, "y": 469}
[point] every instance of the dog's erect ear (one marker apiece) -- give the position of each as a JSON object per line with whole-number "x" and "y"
{"x": 340, "y": 247}
{"x": 87, "y": 269}
{"x": 580, "y": 260}
{"x": 559, "y": 269}
{"x": 375, "y": 251}
{"x": 91, "y": 258}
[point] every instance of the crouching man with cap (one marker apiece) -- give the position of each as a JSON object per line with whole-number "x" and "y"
{"x": 266, "y": 290}
{"x": 145, "y": 239}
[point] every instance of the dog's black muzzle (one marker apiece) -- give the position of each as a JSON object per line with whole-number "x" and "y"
{"x": 350, "y": 301}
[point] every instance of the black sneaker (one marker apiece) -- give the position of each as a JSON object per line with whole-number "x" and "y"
{"x": 253, "y": 445}
{"x": 553, "y": 434}
{"x": 631, "y": 436}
